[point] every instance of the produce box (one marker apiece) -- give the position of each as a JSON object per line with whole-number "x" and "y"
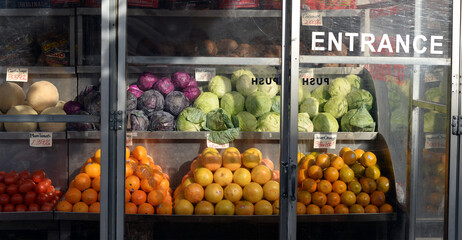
{"x": 227, "y": 4}
{"x": 328, "y": 4}
{"x": 27, "y": 3}
{"x": 138, "y": 3}
{"x": 66, "y": 3}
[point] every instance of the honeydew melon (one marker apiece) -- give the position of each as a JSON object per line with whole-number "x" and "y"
{"x": 52, "y": 126}
{"x": 41, "y": 95}
{"x": 11, "y": 94}
{"x": 23, "y": 126}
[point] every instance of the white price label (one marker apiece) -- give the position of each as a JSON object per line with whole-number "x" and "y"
{"x": 129, "y": 138}
{"x": 17, "y": 74}
{"x": 429, "y": 77}
{"x": 205, "y": 74}
{"x": 325, "y": 140}
{"x": 435, "y": 141}
{"x": 312, "y": 19}
{"x": 211, "y": 144}
{"x": 307, "y": 75}
{"x": 40, "y": 139}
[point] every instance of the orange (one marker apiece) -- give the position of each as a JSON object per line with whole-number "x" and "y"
{"x": 97, "y": 157}
{"x": 96, "y": 183}
{"x": 261, "y": 174}
{"x": 301, "y": 175}
{"x": 386, "y": 208}
{"x": 339, "y": 187}
{"x": 233, "y": 192}
{"x": 323, "y": 161}
{"x": 346, "y": 174}
{"x": 211, "y": 160}
{"x": 349, "y": 157}
{"x": 341, "y": 209}
{"x": 94, "y": 207}
{"x": 194, "y": 193}
{"x": 348, "y": 198}
{"x": 64, "y": 206}
{"x": 139, "y": 152}
{"x": 131, "y": 208}
{"x": 93, "y": 170}
{"x": 307, "y": 161}
{"x": 263, "y": 207}
{"x": 148, "y": 184}
{"x": 315, "y": 172}
{"x": 204, "y": 208}
{"x": 232, "y": 159}
{"x": 371, "y": 209}
{"x": 224, "y": 207}
{"x": 244, "y": 208}
{"x": 301, "y": 208}
{"x": 164, "y": 185}
{"x": 251, "y": 158}
{"x": 242, "y": 177}
{"x": 309, "y": 185}
{"x": 184, "y": 207}
{"x": 148, "y": 161}
{"x": 133, "y": 162}
{"x": 252, "y": 192}
{"x": 368, "y": 185}
{"x": 203, "y": 176}
{"x": 271, "y": 190}
{"x": 356, "y": 208}
{"x": 187, "y": 181}
{"x": 80, "y": 207}
{"x": 73, "y": 195}
{"x": 326, "y": 209}
{"x": 127, "y": 153}
{"x": 383, "y": 184}
{"x": 358, "y": 169}
{"x": 313, "y": 209}
{"x": 82, "y": 181}
{"x": 128, "y": 196}
{"x": 304, "y": 197}
{"x": 368, "y": 159}
{"x": 359, "y": 153}
{"x": 164, "y": 209}
{"x": 355, "y": 187}
{"x": 145, "y": 208}
{"x": 155, "y": 197}
{"x": 373, "y": 172}
{"x": 378, "y": 198}
{"x": 132, "y": 183}
{"x": 333, "y": 199}
{"x": 138, "y": 197}
{"x": 89, "y": 196}
{"x": 344, "y": 150}
{"x": 143, "y": 171}
{"x": 324, "y": 186}
{"x": 319, "y": 199}
{"x": 276, "y": 207}
{"x": 363, "y": 199}
{"x": 337, "y": 162}
{"x": 331, "y": 174}
{"x": 213, "y": 193}
{"x": 223, "y": 176}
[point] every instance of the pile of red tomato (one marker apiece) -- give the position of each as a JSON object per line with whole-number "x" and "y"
{"x": 24, "y": 191}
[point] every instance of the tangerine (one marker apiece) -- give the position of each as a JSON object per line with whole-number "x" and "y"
{"x": 337, "y": 162}
{"x": 363, "y": 199}
{"x": 131, "y": 208}
{"x": 145, "y": 208}
{"x": 132, "y": 183}
{"x": 194, "y": 193}
{"x": 82, "y": 181}
{"x": 339, "y": 187}
{"x": 94, "y": 207}
{"x": 128, "y": 170}
{"x": 251, "y": 158}
{"x": 333, "y": 199}
{"x": 341, "y": 209}
{"x": 138, "y": 197}
{"x": 204, "y": 208}
{"x": 97, "y": 157}
{"x": 223, "y": 176}
{"x": 139, "y": 152}
{"x": 89, "y": 196}
{"x": 184, "y": 207}
{"x": 368, "y": 185}
{"x": 344, "y": 150}
{"x": 315, "y": 172}
{"x": 309, "y": 185}
{"x": 93, "y": 170}
{"x": 319, "y": 199}
{"x": 324, "y": 186}
{"x": 386, "y": 208}
{"x": 144, "y": 171}
{"x": 304, "y": 197}
{"x": 80, "y": 207}
{"x": 224, "y": 207}
{"x": 301, "y": 208}
{"x": 148, "y": 184}
{"x": 355, "y": 187}
{"x": 213, "y": 193}
{"x": 378, "y": 198}
{"x": 368, "y": 159}
{"x": 326, "y": 209}
{"x": 383, "y": 184}
{"x": 359, "y": 153}
{"x": 331, "y": 174}
{"x": 164, "y": 208}
{"x": 349, "y": 157}
{"x": 244, "y": 208}
{"x": 73, "y": 195}
{"x": 232, "y": 159}
{"x": 128, "y": 196}
{"x": 313, "y": 209}
{"x": 233, "y": 192}
{"x": 64, "y": 206}
{"x": 371, "y": 209}
{"x": 323, "y": 161}
{"x": 356, "y": 208}
{"x": 261, "y": 174}
{"x": 155, "y": 198}
{"x": 348, "y": 198}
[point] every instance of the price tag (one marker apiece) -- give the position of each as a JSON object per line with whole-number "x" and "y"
{"x": 211, "y": 144}
{"x": 312, "y": 19}
{"x": 205, "y": 74}
{"x": 40, "y": 139}
{"x": 429, "y": 77}
{"x": 129, "y": 138}
{"x": 17, "y": 74}
{"x": 435, "y": 141}
{"x": 307, "y": 75}
{"x": 325, "y": 141}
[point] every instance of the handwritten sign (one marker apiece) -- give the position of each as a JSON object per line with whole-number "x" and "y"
{"x": 211, "y": 144}
{"x": 17, "y": 74}
{"x": 429, "y": 77}
{"x": 325, "y": 140}
{"x": 205, "y": 74}
{"x": 312, "y": 19}
{"x": 307, "y": 74}
{"x": 435, "y": 141}
{"x": 129, "y": 138}
{"x": 40, "y": 139}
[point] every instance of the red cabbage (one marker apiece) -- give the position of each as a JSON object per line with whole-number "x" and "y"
{"x": 192, "y": 83}
{"x": 192, "y": 93}
{"x": 164, "y": 86}
{"x": 81, "y": 126}
{"x": 146, "y": 81}
{"x": 138, "y": 121}
{"x": 92, "y": 103}
{"x": 72, "y": 107}
{"x": 151, "y": 100}
{"x": 161, "y": 121}
{"x": 131, "y": 102}
{"x": 175, "y": 102}
{"x": 135, "y": 90}
{"x": 180, "y": 80}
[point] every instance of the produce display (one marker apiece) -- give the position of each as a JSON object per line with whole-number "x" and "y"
{"x": 230, "y": 183}
{"x": 88, "y": 102}
{"x": 349, "y": 182}
{"x": 20, "y": 192}
{"x": 147, "y": 188}
{"x": 433, "y": 186}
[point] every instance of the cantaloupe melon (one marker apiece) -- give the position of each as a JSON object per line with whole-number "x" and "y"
{"x": 60, "y": 104}
{"x": 52, "y": 126}
{"x": 23, "y": 126}
{"x": 11, "y": 94}
{"x": 41, "y": 95}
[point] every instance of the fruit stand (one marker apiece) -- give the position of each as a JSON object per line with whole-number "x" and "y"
{"x": 229, "y": 119}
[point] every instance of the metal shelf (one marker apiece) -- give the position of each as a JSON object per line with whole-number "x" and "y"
{"x": 375, "y": 60}
{"x": 352, "y": 217}
{"x": 441, "y": 108}
{"x": 50, "y": 118}
{"x": 25, "y": 136}
{"x": 148, "y": 60}
{"x": 42, "y": 70}
{"x": 74, "y": 216}
{"x": 83, "y": 135}
{"x": 36, "y": 12}
{"x": 336, "y": 13}
{"x": 26, "y": 216}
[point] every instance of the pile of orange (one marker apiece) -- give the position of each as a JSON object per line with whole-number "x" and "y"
{"x": 147, "y": 188}
{"x": 433, "y": 186}
{"x": 346, "y": 183}
{"x": 230, "y": 183}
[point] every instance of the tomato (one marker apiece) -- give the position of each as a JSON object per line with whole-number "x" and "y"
{"x": 38, "y": 176}
{"x": 29, "y": 197}
{"x": 1, "y": 208}
{"x": 40, "y": 188}
{"x": 11, "y": 179}
{"x": 33, "y": 207}
{"x": 26, "y": 186}
{"x": 58, "y": 193}
{"x": 47, "y": 207}
{"x": 47, "y": 182}
{"x": 41, "y": 198}
{"x": 12, "y": 189}
{"x": 2, "y": 176}
{"x": 25, "y": 174}
{"x": 57, "y": 197}
{"x": 4, "y": 198}
{"x": 8, "y": 207}
{"x": 51, "y": 189}
{"x": 2, "y": 188}
{"x": 54, "y": 201}
{"x": 50, "y": 196}
{"x": 21, "y": 208}
{"x": 17, "y": 199}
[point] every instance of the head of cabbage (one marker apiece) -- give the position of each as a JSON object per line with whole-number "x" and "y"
{"x": 339, "y": 87}
{"x": 310, "y": 106}
{"x": 276, "y": 105}
{"x": 238, "y": 73}
{"x": 325, "y": 122}
{"x": 220, "y": 85}
{"x": 358, "y": 97}
{"x": 303, "y": 91}
{"x": 304, "y": 123}
{"x": 354, "y": 80}
{"x": 337, "y": 106}
{"x": 190, "y": 120}
{"x": 223, "y": 127}
{"x": 358, "y": 120}
{"x": 258, "y": 104}
{"x": 321, "y": 93}
{"x": 232, "y": 102}
{"x": 245, "y": 86}
{"x": 270, "y": 90}
{"x": 269, "y": 122}
{"x": 247, "y": 121}
{"x": 207, "y": 102}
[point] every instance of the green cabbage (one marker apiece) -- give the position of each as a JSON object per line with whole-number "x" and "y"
{"x": 354, "y": 80}
{"x": 270, "y": 90}
{"x": 220, "y": 85}
{"x": 223, "y": 128}
{"x": 357, "y": 97}
{"x": 258, "y": 104}
{"x": 269, "y": 122}
{"x": 247, "y": 121}
{"x": 232, "y": 102}
{"x": 435, "y": 95}
{"x": 339, "y": 87}
{"x": 207, "y": 102}
{"x": 337, "y": 106}
{"x": 190, "y": 119}
{"x": 358, "y": 120}
{"x": 276, "y": 107}
{"x": 303, "y": 91}
{"x": 310, "y": 106}
{"x": 325, "y": 122}
{"x": 434, "y": 122}
{"x": 322, "y": 94}
{"x": 304, "y": 123}
{"x": 244, "y": 85}
{"x": 238, "y": 73}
